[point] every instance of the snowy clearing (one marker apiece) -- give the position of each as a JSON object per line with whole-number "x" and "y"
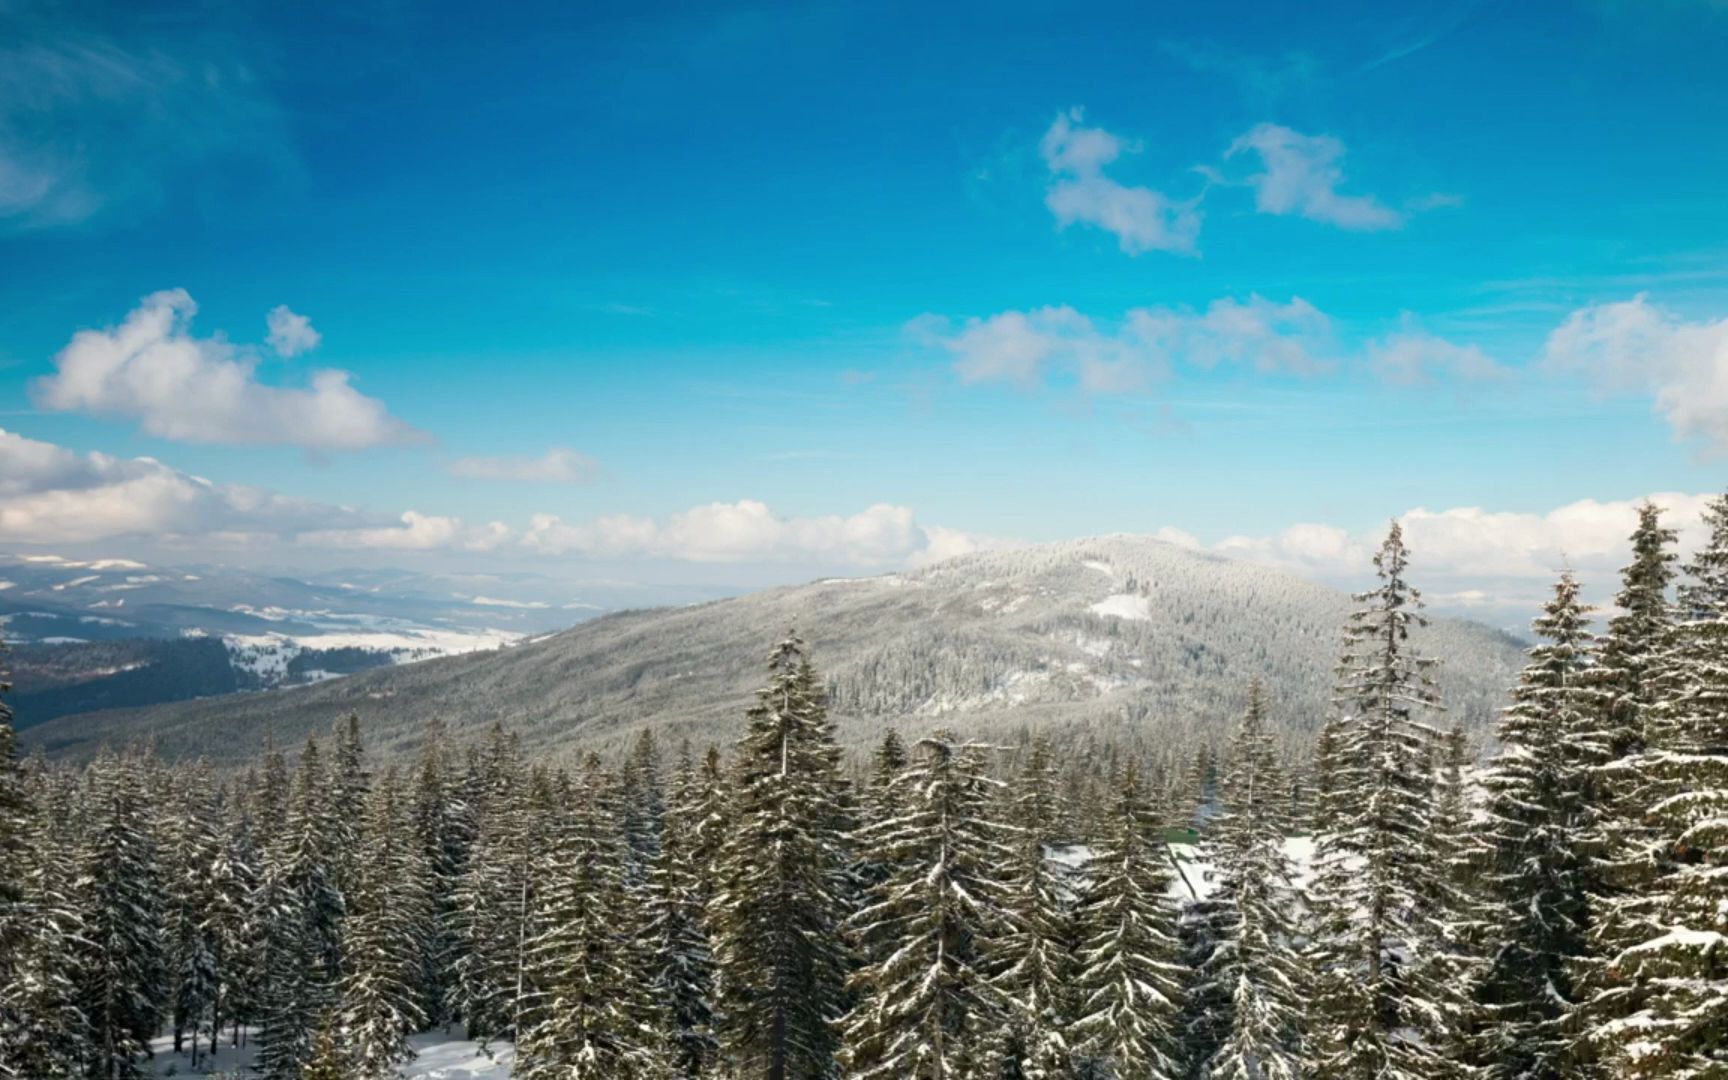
{"x": 1124, "y": 606}
{"x": 438, "y": 1057}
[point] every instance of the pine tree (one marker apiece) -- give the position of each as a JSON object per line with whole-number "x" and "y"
{"x": 345, "y": 799}
{"x": 642, "y": 806}
{"x": 384, "y": 940}
{"x": 1536, "y": 879}
{"x": 493, "y": 898}
{"x": 194, "y": 844}
{"x": 925, "y": 1010}
{"x": 43, "y": 1030}
{"x": 1255, "y": 967}
{"x": 326, "y": 1060}
{"x": 1620, "y": 844}
{"x": 590, "y": 1013}
{"x": 1032, "y": 953}
{"x": 1131, "y": 980}
{"x": 301, "y": 930}
{"x": 118, "y": 893}
{"x": 15, "y": 822}
{"x": 233, "y": 895}
{"x": 684, "y": 976}
{"x": 779, "y": 900}
{"x": 1678, "y": 972}
{"x": 1377, "y": 1010}
{"x": 444, "y": 831}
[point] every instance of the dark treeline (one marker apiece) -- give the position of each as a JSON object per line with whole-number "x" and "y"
{"x": 944, "y": 909}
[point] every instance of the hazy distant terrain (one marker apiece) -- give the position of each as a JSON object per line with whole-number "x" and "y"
{"x": 1129, "y": 633}
{"x": 102, "y": 633}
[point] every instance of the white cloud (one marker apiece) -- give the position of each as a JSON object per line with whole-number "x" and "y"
{"x": 1636, "y": 346}
{"x": 416, "y": 532}
{"x": 556, "y": 466}
{"x": 1415, "y": 357}
{"x": 748, "y": 531}
{"x": 1302, "y": 175}
{"x": 290, "y": 334}
{"x": 1141, "y": 219}
{"x": 193, "y": 389}
{"x": 1477, "y": 558}
{"x": 1028, "y": 347}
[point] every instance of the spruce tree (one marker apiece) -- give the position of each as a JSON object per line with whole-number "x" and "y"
{"x": 1678, "y": 971}
{"x": 779, "y": 899}
{"x": 925, "y": 1010}
{"x": 119, "y": 896}
{"x": 194, "y": 846}
{"x": 1032, "y": 954}
{"x": 684, "y": 975}
{"x": 1536, "y": 880}
{"x": 388, "y": 918}
{"x": 443, "y": 829}
{"x": 589, "y": 1012}
{"x": 1621, "y": 846}
{"x": 43, "y": 1029}
{"x": 1255, "y": 969}
{"x": 1378, "y": 1009}
{"x": 492, "y": 900}
{"x": 1131, "y": 979}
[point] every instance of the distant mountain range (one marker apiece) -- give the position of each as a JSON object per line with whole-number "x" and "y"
{"x": 1124, "y": 634}
{"x": 90, "y": 634}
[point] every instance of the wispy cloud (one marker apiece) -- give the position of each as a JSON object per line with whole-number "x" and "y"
{"x": 152, "y": 369}
{"x": 1140, "y": 218}
{"x": 290, "y": 334}
{"x": 1301, "y": 174}
{"x": 1028, "y": 348}
{"x": 559, "y": 465}
{"x": 1414, "y": 357}
{"x": 97, "y": 122}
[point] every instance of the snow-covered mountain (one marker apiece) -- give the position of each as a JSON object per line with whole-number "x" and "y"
{"x": 90, "y": 633}
{"x": 1156, "y": 641}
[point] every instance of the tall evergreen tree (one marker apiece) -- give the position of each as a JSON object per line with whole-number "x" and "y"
{"x": 388, "y": 917}
{"x": 684, "y": 975}
{"x": 1131, "y": 980}
{"x": 1255, "y": 968}
{"x": 1536, "y": 879}
{"x": 1678, "y": 971}
{"x": 119, "y": 894}
{"x": 194, "y": 845}
{"x": 925, "y": 1010}
{"x": 589, "y": 1014}
{"x": 492, "y": 900}
{"x": 779, "y": 901}
{"x": 1378, "y": 1009}
{"x": 43, "y": 1030}
{"x": 1032, "y": 953}
{"x": 1621, "y": 846}
{"x": 443, "y": 829}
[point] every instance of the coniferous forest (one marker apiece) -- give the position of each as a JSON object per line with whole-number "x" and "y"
{"x": 1398, "y": 905}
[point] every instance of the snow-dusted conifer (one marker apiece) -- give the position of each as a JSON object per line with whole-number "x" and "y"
{"x": 925, "y": 1010}
{"x": 1131, "y": 979}
{"x": 684, "y": 968}
{"x": 1254, "y": 968}
{"x": 1032, "y": 954}
{"x": 1535, "y": 880}
{"x": 1678, "y": 971}
{"x": 492, "y": 898}
{"x": 1377, "y": 1009}
{"x": 388, "y": 916}
{"x": 780, "y": 884}
{"x": 193, "y": 846}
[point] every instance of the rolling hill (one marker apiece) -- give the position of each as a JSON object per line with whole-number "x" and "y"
{"x": 1123, "y": 633}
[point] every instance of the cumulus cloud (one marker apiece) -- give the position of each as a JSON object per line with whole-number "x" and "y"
{"x": 49, "y": 494}
{"x": 415, "y": 532}
{"x": 290, "y": 334}
{"x": 1028, "y": 347}
{"x": 177, "y": 386}
{"x": 1301, "y": 175}
{"x": 1636, "y": 346}
{"x": 1140, "y": 218}
{"x": 1470, "y": 557}
{"x": 1415, "y": 357}
{"x": 556, "y": 466}
{"x": 748, "y": 531}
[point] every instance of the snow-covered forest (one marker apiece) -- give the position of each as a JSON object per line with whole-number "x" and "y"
{"x": 938, "y": 910}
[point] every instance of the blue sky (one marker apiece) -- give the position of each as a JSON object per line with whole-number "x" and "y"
{"x": 1012, "y": 271}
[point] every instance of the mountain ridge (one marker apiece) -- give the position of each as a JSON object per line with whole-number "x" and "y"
{"x": 1125, "y": 631}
